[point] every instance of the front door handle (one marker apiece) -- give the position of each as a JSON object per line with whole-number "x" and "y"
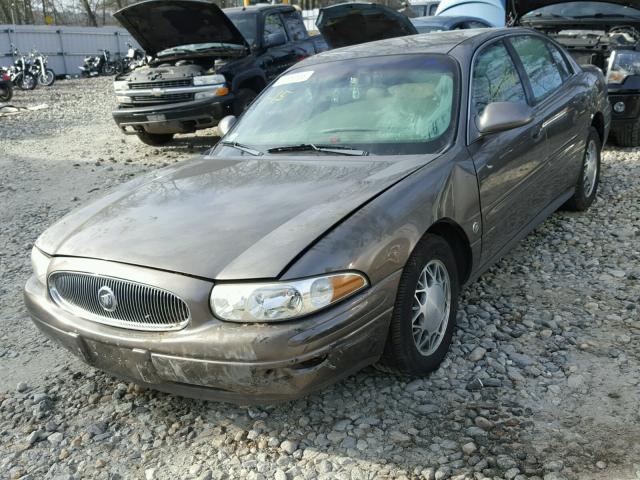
{"x": 537, "y": 133}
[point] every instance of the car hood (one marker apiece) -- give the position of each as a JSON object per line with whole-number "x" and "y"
{"x": 161, "y": 24}
{"x": 491, "y": 11}
{"x": 517, "y": 8}
{"x": 353, "y": 23}
{"x": 225, "y": 218}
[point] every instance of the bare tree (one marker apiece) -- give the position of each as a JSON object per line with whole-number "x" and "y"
{"x": 90, "y": 14}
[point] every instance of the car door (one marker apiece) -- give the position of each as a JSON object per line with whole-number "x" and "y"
{"x": 277, "y": 57}
{"x": 506, "y": 162}
{"x": 565, "y": 120}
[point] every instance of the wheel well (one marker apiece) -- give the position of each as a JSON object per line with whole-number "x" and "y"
{"x": 598, "y": 124}
{"x": 457, "y": 239}
{"x": 255, "y": 83}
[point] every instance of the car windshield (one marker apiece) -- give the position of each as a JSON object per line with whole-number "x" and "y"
{"x": 247, "y": 24}
{"x": 395, "y": 105}
{"x": 195, "y": 48}
{"x": 582, "y": 10}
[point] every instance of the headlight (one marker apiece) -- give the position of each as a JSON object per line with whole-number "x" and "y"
{"x": 123, "y": 99}
{"x": 209, "y": 80}
{"x": 40, "y": 264}
{"x": 218, "y": 92}
{"x": 120, "y": 85}
{"x": 622, "y": 64}
{"x": 279, "y": 301}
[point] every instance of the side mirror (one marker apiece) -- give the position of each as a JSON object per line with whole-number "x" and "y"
{"x": 226, "y": 123}
{"x": 501, "y": 116}
{"x": 275, "y": 39}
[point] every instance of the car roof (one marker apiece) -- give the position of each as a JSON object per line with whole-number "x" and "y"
{"x": 260, "y": 7}
{"x": 439, "y": 42}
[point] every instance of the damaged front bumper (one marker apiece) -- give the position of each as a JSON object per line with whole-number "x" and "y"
{"x": 216, "y": 360}
{"x": 183, "y": 117}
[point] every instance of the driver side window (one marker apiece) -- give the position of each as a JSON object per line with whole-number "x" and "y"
{"x": 495, "y": 79}
{"x": 273, "y": 24}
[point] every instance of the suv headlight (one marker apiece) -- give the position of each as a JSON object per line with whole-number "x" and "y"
{"x": 279, "y": 301}
{"x": 120, "y": 85}
{"x": 40, "y": 264}
{"x": 209, "y": 80}
{"x": 622, "y": 64}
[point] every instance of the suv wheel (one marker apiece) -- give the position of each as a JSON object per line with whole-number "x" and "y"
{"x": 628, "y": 135}
{"x": 424, "y": 315}
{"x": 243, "y": 99}
{"x": 155, "y": 139}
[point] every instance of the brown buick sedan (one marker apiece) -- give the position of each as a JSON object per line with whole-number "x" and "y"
{"x": 335, "y": 223}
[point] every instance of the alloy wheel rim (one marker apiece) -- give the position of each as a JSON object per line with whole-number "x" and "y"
{"x": 431, "y": 307}
{"x": 590, "y": 169}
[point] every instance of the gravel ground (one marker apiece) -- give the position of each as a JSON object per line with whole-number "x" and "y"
{"x": 543, "y": 381}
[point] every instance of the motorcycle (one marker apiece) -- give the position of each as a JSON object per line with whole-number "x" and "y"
{"x": 6, "y": 88}
{"x": 46, "y": 76}
{"x": 133, "y": 59}
{"x": 20, "y": 73}
{"x": 100, "y": 65}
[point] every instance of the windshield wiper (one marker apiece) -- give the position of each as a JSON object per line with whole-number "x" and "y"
{"x": 310, "y": 147}
{"x": 242, "y": 148}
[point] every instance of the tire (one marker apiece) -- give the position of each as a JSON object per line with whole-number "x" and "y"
{"x": 155, "y": 139}
{"x": 243, "y": 99}
{"x": 26, "y": 82}
{"x": 401, "y": 353}
{"x": 6, "y": 93}
{"x": 589, "y": 178}
{"x": 109, "y": 69}
{"x": 48, "y": 78}
{"x": 628, "y": 135}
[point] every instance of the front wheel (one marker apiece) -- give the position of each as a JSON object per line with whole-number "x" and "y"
{"x": 47, "y": 78}
{"x": 26, "y": 81}
{"x": 589, "y": 178}
{"x": 155, "y": 139}
{"x": 424, "y": 315}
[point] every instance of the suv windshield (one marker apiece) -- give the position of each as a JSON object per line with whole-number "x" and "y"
{"x": 246, "y": 23}
{"x": 582, "y": 10}
{"x": 399, "y": 104}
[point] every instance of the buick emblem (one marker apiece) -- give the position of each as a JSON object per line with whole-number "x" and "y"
{"x": 107, "y": 299}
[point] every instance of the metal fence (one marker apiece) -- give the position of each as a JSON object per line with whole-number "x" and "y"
{"x": 65, "y": 46}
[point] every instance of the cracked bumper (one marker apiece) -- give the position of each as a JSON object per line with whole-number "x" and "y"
{"x": 217, "y": 360}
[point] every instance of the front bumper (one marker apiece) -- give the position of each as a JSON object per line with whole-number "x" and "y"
{"x": 182, "y": 117}
{"x": 218, "y": 360}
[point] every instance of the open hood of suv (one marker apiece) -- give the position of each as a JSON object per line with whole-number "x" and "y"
{"x": 517, "y": 8}
{"x": 161, "y": 24}
{"x": 353, "y": 23}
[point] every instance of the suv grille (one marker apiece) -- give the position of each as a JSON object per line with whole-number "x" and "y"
{"x": 119, "y": 303}
{"x": 172, "y": 97}
{"x": 167, "y": 84}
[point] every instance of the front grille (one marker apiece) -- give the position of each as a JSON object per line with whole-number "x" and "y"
{"x": 171, "y": 97}
{"x": 137, "y": 306}
{"x": 166, "y": 84}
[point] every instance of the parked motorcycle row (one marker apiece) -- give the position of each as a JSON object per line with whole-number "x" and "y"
{"x": 106, "y": 64}
{"x": 26, "y": 73}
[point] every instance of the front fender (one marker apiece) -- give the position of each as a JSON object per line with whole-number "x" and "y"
{"x": 378, "y": 238}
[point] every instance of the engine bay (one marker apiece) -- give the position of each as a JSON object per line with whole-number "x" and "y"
{"x": 164, "y": 70}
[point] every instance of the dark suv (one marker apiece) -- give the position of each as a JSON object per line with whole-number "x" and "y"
{"x": 206, "y": 63}
{"x": 605, "y": 34}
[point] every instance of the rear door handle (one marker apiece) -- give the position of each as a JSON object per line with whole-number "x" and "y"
{"x": 538, "y": 132}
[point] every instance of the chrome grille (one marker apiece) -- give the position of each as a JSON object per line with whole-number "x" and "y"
{"x": 169, "y": 97}
{"x": 166, "y": 84}
{"x": 137, "y": 306}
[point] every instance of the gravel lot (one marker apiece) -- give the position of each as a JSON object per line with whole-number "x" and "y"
{"x": 543, "y": 381}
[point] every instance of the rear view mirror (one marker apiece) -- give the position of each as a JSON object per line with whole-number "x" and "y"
{"x": 225, "y": 124}
{"x": 501, "y": 116}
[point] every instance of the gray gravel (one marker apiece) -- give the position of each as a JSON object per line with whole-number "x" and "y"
{"x": 543, "y": 381}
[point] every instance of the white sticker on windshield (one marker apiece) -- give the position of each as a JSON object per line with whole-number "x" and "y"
{"x": 297, "y": 77}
